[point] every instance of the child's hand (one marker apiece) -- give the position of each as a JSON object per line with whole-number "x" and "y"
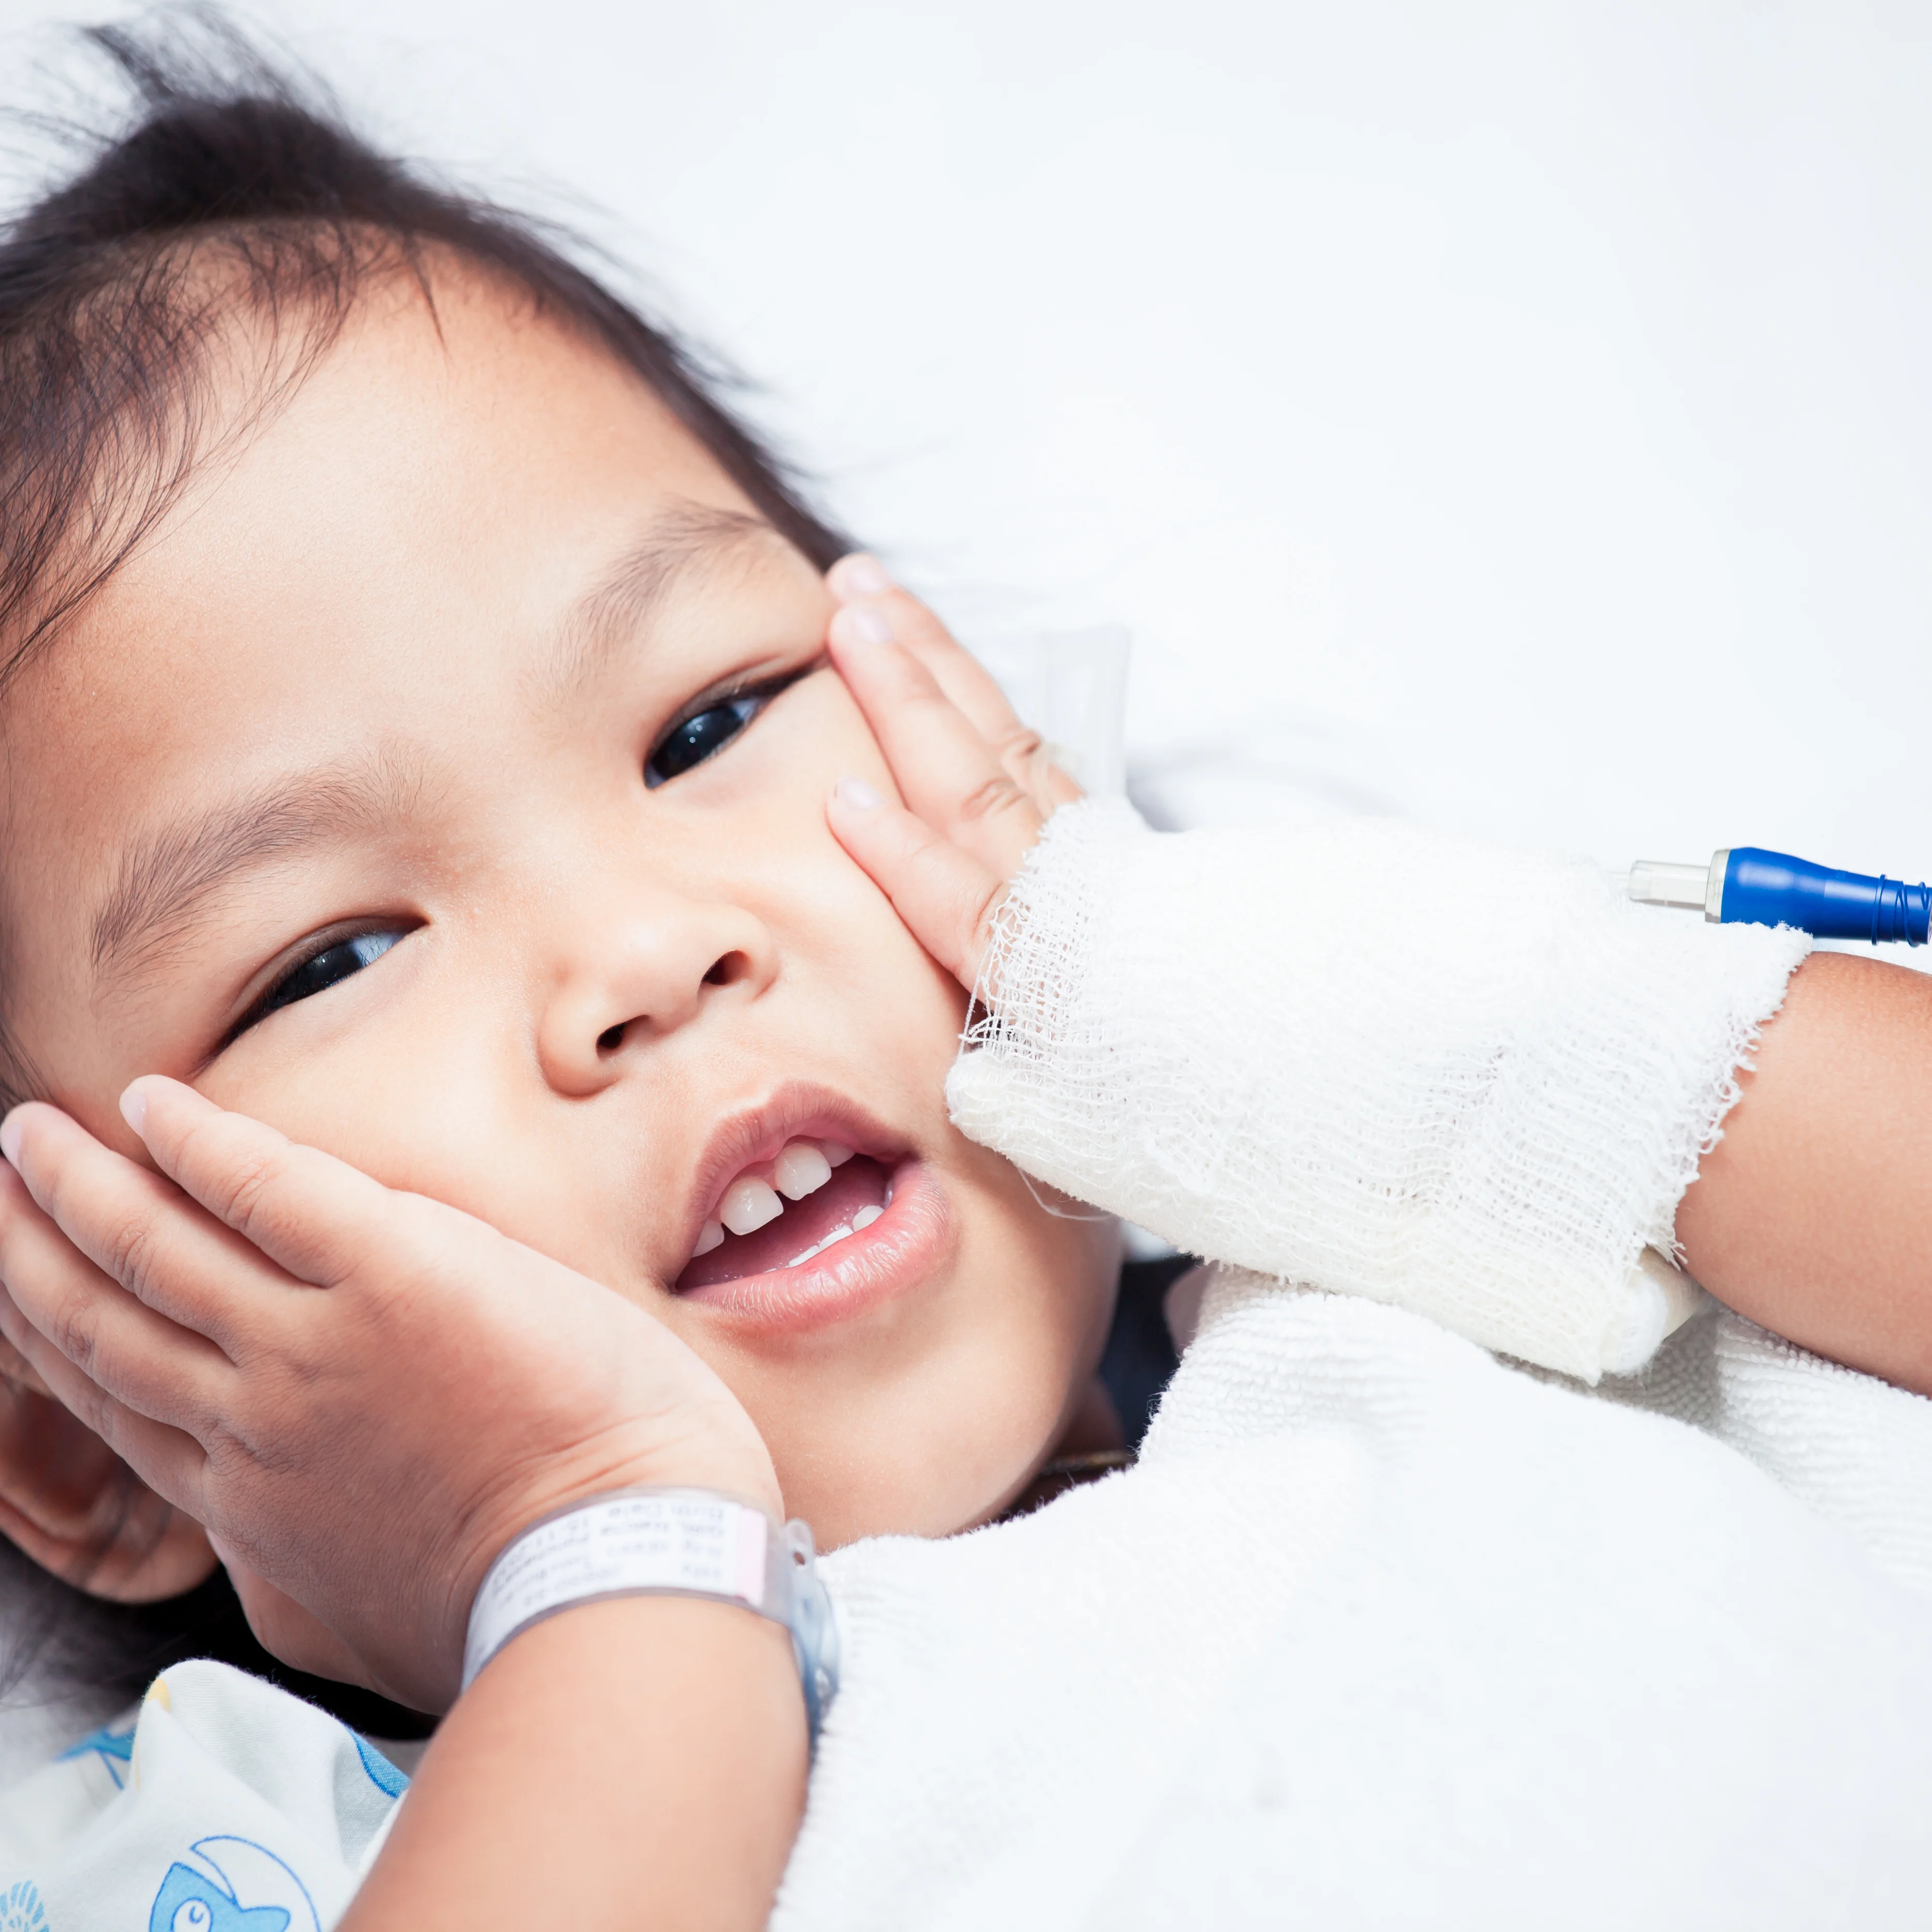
{"x": 363, "y": 1394}
{"x": 978, "y": 783}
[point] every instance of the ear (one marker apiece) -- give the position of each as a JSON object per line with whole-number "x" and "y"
{"x": 76, "y": 1509}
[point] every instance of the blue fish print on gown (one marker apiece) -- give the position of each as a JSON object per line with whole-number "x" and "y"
{"x": 188, "y": 1902}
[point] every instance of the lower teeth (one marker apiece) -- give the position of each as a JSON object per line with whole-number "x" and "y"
{"x": 865, "y": 1218}
{"x": 836, "y": 1235}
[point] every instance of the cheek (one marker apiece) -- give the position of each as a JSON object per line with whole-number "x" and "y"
{"x": 842, "y": 937}
{"x": 758, "y": 833}
{"x": 930, "y": 1423}
{"x": 412, "y": 1098}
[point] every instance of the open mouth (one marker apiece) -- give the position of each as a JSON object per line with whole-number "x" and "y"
{"x": 785, "y": 1212}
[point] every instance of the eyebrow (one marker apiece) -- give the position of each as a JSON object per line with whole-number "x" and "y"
{"x": 688, "y": 537}
{"x": 164, "y": 876}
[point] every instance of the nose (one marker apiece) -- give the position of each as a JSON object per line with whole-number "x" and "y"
{"x": 639, "y": 977}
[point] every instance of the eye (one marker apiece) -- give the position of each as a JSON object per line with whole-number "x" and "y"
{"x": 321, "y": 970}
{"x": 697, "y": 737}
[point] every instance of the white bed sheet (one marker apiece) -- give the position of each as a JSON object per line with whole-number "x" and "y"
{"x": 1512, "y": 414}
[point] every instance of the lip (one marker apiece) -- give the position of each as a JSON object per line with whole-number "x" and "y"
{"x": 873, "y": 1265}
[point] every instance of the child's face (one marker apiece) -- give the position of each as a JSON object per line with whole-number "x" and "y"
{"x": 389, "y": 687}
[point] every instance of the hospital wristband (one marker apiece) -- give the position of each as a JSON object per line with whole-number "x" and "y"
{"x": 650, "y": 1542}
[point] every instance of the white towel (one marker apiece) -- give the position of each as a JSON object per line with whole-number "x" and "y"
{"x": 1380, "y": 1633}
{"x": 1857, "y": 1450}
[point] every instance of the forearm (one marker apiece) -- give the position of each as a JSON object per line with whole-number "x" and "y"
{"x": 1811, "y": 1216}
{"x": 636, "y": 1763}
{"x": 1360, "y": 1057}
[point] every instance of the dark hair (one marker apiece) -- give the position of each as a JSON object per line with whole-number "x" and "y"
{"x": 108, "y": 308}
{"x": 230, "y": 189}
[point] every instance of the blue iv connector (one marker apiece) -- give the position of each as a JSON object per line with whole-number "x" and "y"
{"x": 1744, "y": 885}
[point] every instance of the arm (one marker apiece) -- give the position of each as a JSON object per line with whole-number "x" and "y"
{"x": 1555, "y": 1063}
{"x": 365, "y": 1396}
{"x": 1357, "y": 1056}
{"x": 1813, "y": 1214}
{"x": 636, "y": 1763}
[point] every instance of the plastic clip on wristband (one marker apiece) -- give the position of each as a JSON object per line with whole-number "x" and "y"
{"x": 683, "y": 1543}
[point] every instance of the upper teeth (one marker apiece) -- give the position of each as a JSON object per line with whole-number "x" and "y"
{"x": 800, "y": 1170}
{"x": 750, "y": 1203}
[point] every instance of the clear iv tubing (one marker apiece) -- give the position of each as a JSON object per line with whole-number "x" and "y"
{"x": 1745, "y": 885}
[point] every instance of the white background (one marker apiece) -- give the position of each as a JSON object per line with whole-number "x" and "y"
{"x": 1513, "y": 415}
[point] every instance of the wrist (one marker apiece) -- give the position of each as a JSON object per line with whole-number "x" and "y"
{"x": 661, "y": 1541}
{"x": 732, "y": 1463}
{"x": 551, "y": 1486}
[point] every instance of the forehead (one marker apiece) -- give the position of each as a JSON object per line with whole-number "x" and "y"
{"x": 436, "y": 490}
{"x": 476, "y": 451}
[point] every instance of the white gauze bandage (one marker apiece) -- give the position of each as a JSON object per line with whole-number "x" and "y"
{"x": 1371, "y": 1059}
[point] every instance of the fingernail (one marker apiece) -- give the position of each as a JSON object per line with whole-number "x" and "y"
{"x": 11, "y": 1131}
{"x": 134, "y": 1109}
{"x": 857, "y": 792}
{"x": 869, "y": 624}
{"x": 861, "y": 574}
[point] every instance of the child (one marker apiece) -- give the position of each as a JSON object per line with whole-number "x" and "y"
{"x": 488, "y": 1076}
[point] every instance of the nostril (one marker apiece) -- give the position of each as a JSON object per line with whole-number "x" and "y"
{"x": 609, "y": 1039}
{"x": 728, "y": 970}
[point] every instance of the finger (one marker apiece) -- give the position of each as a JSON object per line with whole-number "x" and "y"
{"x": 898, "y": 617}
{"x": 873, "y": 610}
{"x": 170, "y": 1460}
{"x": 944, "y": 768}
{"x": 139, "y": 1228}
{"x": 315, "y": 1215}
{"x": 946, "y": 896}
{"x": 64, "y": 1311}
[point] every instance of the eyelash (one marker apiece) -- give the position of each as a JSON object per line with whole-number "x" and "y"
{"x": 367, "y": 947}
{"x": 741, "y": 707}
